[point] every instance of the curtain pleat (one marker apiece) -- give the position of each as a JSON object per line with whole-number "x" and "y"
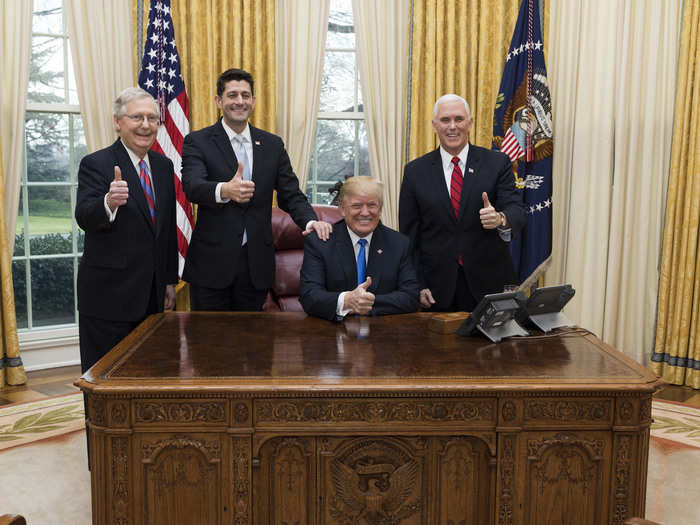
{"x": 676, "y": 355}
{"x": 301, "y": 42}
{"x": 15, "y": 50}
{"x": 11, "y": 368}
{"x": 100, "y": 36}
{"x": 382, "y": 56}
{"x": 609, "y": 62}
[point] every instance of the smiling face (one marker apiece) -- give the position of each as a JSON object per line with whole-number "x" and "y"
{"x": 138, "y": 126}
{"x": 452, "y": 125}
{"x": 361, "y": 212}
{"x": 236, "y": 104}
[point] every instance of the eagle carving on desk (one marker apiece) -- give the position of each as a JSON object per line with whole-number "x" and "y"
{"x": 374, "y": 492}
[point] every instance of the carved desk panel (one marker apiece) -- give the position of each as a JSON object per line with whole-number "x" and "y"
{"x": 225, "y": 418}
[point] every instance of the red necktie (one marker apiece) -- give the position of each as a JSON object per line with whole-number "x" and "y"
{"x": 456, "y": 185}
{"x": 147, "y": 189}
{"x": 456, "y": 192}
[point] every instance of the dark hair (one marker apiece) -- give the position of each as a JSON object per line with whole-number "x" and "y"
{"x": 233, "y": 74}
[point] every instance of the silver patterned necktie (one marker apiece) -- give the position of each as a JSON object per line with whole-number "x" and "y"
{"x": 242, "y": 156}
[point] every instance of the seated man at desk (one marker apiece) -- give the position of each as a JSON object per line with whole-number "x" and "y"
{"x": 364, "y": 268}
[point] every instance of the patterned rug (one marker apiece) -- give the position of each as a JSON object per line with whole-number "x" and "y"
{"x": 22, "y": 423}
{"x": 676, "y": 422}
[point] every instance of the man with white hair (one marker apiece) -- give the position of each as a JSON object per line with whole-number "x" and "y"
{"x": 459, "y": 206}
{"x": 126, "y": 206}
{"x": 364, "y": 268}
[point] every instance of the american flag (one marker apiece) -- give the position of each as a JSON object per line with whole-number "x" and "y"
{"x": 160, "y": 76}
{"x": 522, "y": 129}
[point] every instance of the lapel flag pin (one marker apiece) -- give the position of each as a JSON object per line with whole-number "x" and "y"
{"x": 257, "y": 143}
{"x": 379, "y": 252}
{"x": 471, "y": 171}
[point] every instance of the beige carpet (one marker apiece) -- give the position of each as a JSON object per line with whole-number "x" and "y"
{"x": 44, "y": 476}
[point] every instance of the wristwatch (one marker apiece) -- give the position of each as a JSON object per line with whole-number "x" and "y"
{"x": 504, "y": 221}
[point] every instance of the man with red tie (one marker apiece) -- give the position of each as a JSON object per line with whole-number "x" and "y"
{"x": 126, "y": 206}
{"x": 459, "y": 206}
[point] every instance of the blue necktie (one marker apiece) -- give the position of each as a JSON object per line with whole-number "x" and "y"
{"x": 361, "y": 262}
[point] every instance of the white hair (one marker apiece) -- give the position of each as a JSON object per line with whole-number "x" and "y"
{"x": 451, "y": 97}
{"x": 129, "y": 94}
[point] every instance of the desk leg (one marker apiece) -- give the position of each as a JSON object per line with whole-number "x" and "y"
{"x": 505, "y": 478}
{"x": 241, "y": 476}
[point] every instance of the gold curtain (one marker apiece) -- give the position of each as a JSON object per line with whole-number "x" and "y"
{"x": 11, "y": 369}
{"x": 459, "y": 46}
{"x": 213, "y": 36}
{"x": 676, "y": 354}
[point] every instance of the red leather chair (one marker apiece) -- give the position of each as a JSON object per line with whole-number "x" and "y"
{"x": 289, "y": 254}
{"x": 12, "y": 519}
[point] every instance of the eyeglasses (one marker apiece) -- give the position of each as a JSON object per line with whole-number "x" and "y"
{"x": 137, "y": 119}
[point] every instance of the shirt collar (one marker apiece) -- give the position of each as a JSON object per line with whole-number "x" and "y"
{"x": 447, "y": 157}
{"x": 230, "y": 133}
{"x": 135, "y": 159}
{"x": 354, "y": 237}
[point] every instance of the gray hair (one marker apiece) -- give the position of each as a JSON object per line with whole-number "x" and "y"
{"x": 450, "y": 98}
{"x": 126, "y": 96}
{"x": 362, "y": 185}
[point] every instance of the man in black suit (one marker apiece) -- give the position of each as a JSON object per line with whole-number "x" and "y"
{"x": 126, "y": 205}
{"x": 459, "y": 206}
{"x": 230, "y": 170}
{"x": 364, "y": 268}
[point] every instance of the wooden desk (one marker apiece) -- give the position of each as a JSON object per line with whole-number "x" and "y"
{"x": 201, "y": 418}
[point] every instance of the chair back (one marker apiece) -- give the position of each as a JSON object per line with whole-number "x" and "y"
{"x": 289, "y": 254}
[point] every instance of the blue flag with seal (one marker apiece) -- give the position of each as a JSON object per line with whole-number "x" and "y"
{"x": 522, "y": 129}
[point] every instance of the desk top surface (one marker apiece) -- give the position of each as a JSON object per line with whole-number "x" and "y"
{"x": 279, "y": 351}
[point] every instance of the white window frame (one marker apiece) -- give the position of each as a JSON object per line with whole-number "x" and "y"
{"x": 314, "y": 187}
{"x": 63, "y": 335}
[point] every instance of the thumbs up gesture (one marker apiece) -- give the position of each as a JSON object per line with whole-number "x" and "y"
{"x": 490, "y": 218}
{"x": 118, "y": 192}
{"x": 237, "y": 189}
{"x": 359, "y": 301}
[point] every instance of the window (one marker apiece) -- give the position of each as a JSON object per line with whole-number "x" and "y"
{"x": 48, "y": 243}
{"x": 340, "y": 148}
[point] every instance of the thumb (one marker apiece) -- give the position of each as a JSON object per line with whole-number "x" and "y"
{"x": 366, "y": 284}
{"x": 239, "y": 171}
{"x": 117, "y": 173}
{"x": 485, "y": 198}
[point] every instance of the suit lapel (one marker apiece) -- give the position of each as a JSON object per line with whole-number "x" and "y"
{"x": 344, "y": 253}
{"x": 160, "y": 179}
{"x": 258, "y": 152}
{"x": 222, "y": 141}
{"x": 133, "y": 181}
{"x": 471, "y": 169}
{"x": 376, "y": 257}
{"x": 438, "y": 183}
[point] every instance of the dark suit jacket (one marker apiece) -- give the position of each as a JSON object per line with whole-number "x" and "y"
{"x": 207, "y": 159}
{"x": 438, "y": 237}
{"x": 330, "y": 268}
{"x": 122, "y": 259}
